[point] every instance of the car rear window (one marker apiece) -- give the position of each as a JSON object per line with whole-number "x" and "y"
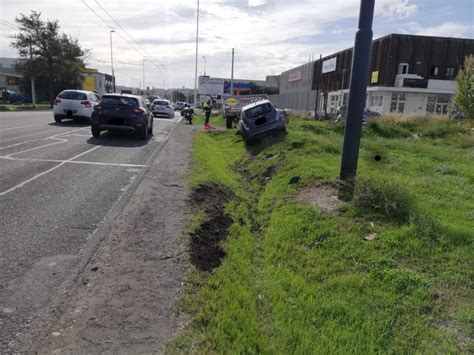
{"x": 258, "y": 110}
{"x": 162, "y": 103}
{"x": 72, "y": 95}
{"x": 119, "y": 101}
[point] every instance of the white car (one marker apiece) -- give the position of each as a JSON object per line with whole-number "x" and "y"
{"x": 75, "y": 104}
{"x": 161, "y": 107}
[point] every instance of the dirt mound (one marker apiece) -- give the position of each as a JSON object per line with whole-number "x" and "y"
{"x": 206, "y": 252}
{"x": 323, "y": 197}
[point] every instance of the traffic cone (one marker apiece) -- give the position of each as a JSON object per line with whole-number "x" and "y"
{"x": 207, "y": 128}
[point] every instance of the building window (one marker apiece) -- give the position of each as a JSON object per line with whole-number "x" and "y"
{"x": 437, "y": 104}
{"x": 434, "y": 70}
{"x": 403, "y": 68}
{"x": 398, "y": 103}
{"x": 449, "y": 72}
{"x": 376, "y": 100}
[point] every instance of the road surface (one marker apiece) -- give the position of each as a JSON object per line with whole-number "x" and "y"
{"x": 57, "y": 185}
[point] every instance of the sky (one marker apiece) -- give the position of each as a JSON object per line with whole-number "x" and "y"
{"x": 269, "y": 36}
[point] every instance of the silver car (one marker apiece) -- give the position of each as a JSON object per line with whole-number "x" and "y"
{"x": 162, "y": 108}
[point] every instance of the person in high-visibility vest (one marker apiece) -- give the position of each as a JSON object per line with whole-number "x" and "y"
{"x": 207, "y": 107}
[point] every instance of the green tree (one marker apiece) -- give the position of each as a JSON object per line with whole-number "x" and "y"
{"x": 55, "y": 60}
{"x": 463, "y": 100}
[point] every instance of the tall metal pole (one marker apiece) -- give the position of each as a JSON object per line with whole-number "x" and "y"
{"x": 232, "y": 75}
{"x": 204, "y": 57}
{"x": 32, "y": 80}
{"x": 144, "y": 86}
{"x": 357, "y": 97}
{"x": 112, "y": 61}
{"x": 318, "y": 88}
{"x": 197, "y": 52}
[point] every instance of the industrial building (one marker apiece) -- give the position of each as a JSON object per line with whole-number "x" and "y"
{"x": 408, "y": 75}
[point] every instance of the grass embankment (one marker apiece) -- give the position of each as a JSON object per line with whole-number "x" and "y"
{"x": 296, "y": 279}
{"x": 23, "y": 107}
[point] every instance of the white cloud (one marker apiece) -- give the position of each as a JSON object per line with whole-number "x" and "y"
{"x": 446, "y": 29}
{"x": 256, "y": 2}
{"x": 398, "y": 8}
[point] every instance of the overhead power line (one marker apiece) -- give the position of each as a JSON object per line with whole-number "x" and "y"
{"x": 8, "y": 24}
{"x": 149, "y": 56}
{"x": 118, "y": 33}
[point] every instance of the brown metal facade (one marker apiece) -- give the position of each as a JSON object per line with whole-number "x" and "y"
{"x": 430, "y": 57}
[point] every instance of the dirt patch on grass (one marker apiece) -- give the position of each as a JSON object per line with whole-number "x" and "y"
{"x": 206, "y": 251}
{"x": 322, "y": 196}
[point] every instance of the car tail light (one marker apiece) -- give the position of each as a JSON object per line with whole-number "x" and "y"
{"x": 57, "y": 101}
{"x": 86, "y": 103}
{"x": 97, "y": 108}
{"x": 138, "y": 110}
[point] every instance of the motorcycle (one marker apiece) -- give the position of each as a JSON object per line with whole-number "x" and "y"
{"x": 187, "y": 113}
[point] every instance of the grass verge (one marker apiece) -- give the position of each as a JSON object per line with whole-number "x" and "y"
{"x": 296, "y": 279}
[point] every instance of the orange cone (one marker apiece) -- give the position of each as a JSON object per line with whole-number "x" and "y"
{"x": 207, "y": 128}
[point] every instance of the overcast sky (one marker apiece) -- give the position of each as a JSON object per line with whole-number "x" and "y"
{"x": 269, "y": 36}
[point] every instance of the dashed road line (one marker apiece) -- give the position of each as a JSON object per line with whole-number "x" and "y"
{"x": 42, "y": 139}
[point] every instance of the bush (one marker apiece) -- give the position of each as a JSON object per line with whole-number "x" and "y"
{"x": 385, "y": 198}
{"x": 464, "y": 95}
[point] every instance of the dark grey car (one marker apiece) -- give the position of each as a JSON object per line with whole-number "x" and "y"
{"x": 259, "y": 119}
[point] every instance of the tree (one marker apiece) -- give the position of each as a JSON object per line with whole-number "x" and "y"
{"x": 54, "y": 59}
{"x": 464, "y": 95}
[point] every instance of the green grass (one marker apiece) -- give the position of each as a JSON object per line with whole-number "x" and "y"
{"x": 299, "y": 280}
{"x": 23, "y": 107}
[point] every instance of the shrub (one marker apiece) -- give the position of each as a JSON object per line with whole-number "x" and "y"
{"x": 385, "y": 198}
{"x": 464, "y": 95}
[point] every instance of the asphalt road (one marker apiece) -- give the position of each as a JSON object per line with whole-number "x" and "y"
{"x": 57, "y": 184}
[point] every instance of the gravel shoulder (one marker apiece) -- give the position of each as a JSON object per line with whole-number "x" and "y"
{"x": 123, "y": 300}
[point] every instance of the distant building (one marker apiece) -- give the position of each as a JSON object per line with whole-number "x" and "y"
{"x": 101, "y": 83}
{"x": 9, "y": 77}
{"x": 408, "y": 75}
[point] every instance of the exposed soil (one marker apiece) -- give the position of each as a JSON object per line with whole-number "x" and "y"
{"x": 322, "y": 196}
{"x": 206, "y": 251}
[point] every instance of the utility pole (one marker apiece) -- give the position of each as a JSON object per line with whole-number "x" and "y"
{"x": 232, "y": 75}
{"x": 112, "y": 61}
{"x": 318, "y": 87}
{"x": 357, "y": 97}
{"x": 33, "y": 91}
{"x": 197, "y": 51}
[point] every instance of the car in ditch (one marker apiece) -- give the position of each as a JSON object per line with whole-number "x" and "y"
{"x": 260, "y": 119}
{"x": 122, "y": 112}
{"x": 75, "y": 104}
{"x": 162, "y": 108}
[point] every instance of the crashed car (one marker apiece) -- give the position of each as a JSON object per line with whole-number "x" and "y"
{"x": 260, "y": 119}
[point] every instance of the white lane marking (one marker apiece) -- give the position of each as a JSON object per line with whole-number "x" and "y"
{"x": 45, "y": 172}
{"x": 18, "y": 127}
{"x": 42, "y": 139}
{"x": 76, "y": 162}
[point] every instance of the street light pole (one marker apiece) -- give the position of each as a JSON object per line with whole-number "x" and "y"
{"x": 232, "y": 75}
{"x": 33, "y": 91}
{"x": 357, "y": 97}
{"x": 197, "y": 48}
{"x": 112, "y": 61}
{"x": 144, "y": 86}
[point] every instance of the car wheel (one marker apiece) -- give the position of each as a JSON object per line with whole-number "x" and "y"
{"x": 57, "y": 119}
{"x": 144, "y": 133}
{"x": 150, "y": 129}
{"x": 95, "y": 132}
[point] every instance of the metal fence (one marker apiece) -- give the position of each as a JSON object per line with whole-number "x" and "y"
{"x": 300, "y": 101}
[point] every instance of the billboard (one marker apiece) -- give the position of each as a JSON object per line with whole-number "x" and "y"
{"x": 329, "y": 65}
{"x": 232, "y": 104}
{"x": 210, "y": 86}
{"x": 89, "y": 83}
{"x": 295, "y": 76}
